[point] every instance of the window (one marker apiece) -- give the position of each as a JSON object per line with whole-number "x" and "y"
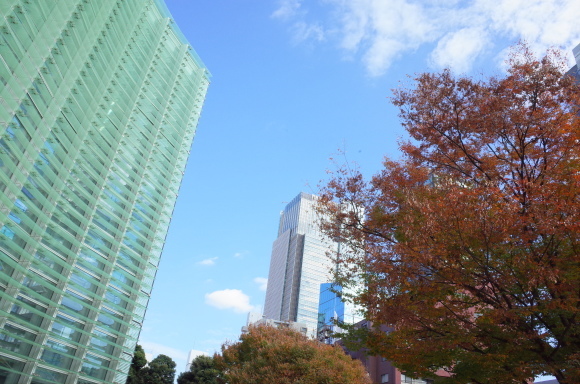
{"x": 410, "y": 380}
{"x": 99, "y": 342}
{"x": 12, "y": 339}
{"x": 66, "y": 327}
{"x": 83, "y": 381}
{"x": 14, "y": 365}
{"x": 22, "y": 310}
{"x": 58, "y": 354}
{"x": 95, "y": 366}
{"x": 83, "y": 279}
{"x": 52, "y": 376}
{"x": 33, "y": 282}
{"x": 73, "y": 301}
{"x": 385, "y": 378}
{"x": 108, "y": 320}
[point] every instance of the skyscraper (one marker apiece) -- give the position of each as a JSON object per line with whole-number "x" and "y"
{"x": 575, "y": 70}
{"x": 99, "y": 101}
{"x": 298, "y": 266}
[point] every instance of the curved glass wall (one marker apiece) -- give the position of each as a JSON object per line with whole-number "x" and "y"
{"x": 99, "y": 101}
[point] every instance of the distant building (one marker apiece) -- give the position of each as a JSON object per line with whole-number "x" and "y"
{"x": 298, "y": 266}
{"x": 575, "y": 70}
{"x": 381, "y": 370}
{"x": 99, "y": 103}
{"x": 255, "y": 319}
{"x": 332, "y": 308}
{"x": 191, "y": 356}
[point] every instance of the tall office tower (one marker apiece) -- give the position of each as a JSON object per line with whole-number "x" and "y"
{"x": 99, "y": 101}
{"x": 298, "y": 266}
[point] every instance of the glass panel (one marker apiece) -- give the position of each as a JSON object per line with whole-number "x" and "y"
{"x": 14, "y": 340}
{"x": 94, "y": 366}
{"x": 74, "y": 305}
{"x": 49, "y": 260}
{"x": 115, "y": 297}
{"x": 83, "y": 381}
{"x": 56, "y": 354}
{"x": 63, "y": 326}
{"x": 5, "y": 269}
{"x": 26, "y": 314}
{"x": 33, "y": 283}
{"x": 51, "y": 376}
{"x": 103, "y": 342}
{"x": 92, "y": 258}
{"x": 108, "y": 322}
{"x": 10, "y": 369}
{"x": 84, "y": 280}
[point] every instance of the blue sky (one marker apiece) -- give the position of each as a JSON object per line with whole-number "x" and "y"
{"x": 293, "y": 84}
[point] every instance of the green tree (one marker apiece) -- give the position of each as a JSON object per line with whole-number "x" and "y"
{"x": 161, "y": 370}
{"x": 470, "y": 244}
{"x": 202, "y": 371}
{"x": 270, "y": 355}
{"x": 139, "y": 361}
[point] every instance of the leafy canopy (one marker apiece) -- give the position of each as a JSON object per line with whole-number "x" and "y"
{"x": 161, "y": 370}
{"x": 270, "y": 355}
{"x": 139, "y": 361}
{"x": 201, "y": 371}
{"x": 470, "y": 244}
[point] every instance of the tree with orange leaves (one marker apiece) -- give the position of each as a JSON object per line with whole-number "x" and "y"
{"x": 283, "y": 356}
{"x": 470, "y": 245}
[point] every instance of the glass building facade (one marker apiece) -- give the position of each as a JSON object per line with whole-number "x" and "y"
{"x": 99, "y": 101}
{"x": 299, "y": 264}
{"x": 332, "y": 308}
{"x": 575, "y": 70}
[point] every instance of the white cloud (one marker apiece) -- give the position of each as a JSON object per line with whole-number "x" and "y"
{"x": 304, "y": 31}
{"x": 262, "y": 282}
{"x": 459, "y": 49}
{"x": 287, "y": 9}
{"x": 233, "y": 299}
{"x": 208, "y": 262}
{"x": 378, "y": 32}
{"x": 240, "y": 255}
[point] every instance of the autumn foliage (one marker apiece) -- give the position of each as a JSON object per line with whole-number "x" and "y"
{"x": 270, "y": 355}
{"x": 471, "y": 241}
